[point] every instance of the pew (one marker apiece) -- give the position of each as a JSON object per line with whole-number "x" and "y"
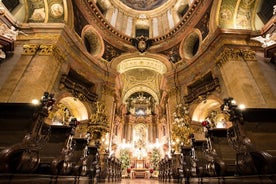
{"x": 53, "y": 148}
{"x": 16, "y": 120}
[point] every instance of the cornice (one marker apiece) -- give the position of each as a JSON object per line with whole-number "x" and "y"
{"x": 206, "y": 59}
{"x": 271, "y": 23}
{"x": 95, "y": 18}
{"x": 235, "y": 54}
{"x": 90, "y": 67}
{"x": 188, "y": 22}
{"x": 149, "y": 13}
{"x": 163, "y": 42}
{"x": 61, "y": 41}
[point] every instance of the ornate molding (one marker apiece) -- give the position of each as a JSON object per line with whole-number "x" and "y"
{"x": 42, "y": 50}
{"x": 30, "y": 49}
{"x": 235, "y": 54}
{"x": 79, "y": 91}
{"x": 191, "y": 11}
{"x": 46, "y": 50}
{"x": 58, "y": 54}
{"x": 142, "y": 43}
{"x": 97, "y": 13}
{"x": 204, "y": 89}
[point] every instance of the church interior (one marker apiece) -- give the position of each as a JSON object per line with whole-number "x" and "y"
{"x": 172, "y": 91}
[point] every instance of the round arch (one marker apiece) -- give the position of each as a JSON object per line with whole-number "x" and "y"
{"x": 76, "y": 107}
{"x": 126, "y": 62}
{"x": 138, "y": 89}
{"x": 202, "y": 110}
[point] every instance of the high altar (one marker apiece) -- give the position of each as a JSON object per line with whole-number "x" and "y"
{"x": 143, "y": 134}
{"x": 140, "y": 170}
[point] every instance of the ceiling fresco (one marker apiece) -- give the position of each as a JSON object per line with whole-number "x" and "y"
{"x": 143, "y": 5}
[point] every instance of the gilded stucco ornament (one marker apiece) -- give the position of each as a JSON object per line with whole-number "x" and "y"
{"x": 143, "y": 5}
{"x": 30, "y": 49}
{"x": 38, "y": 15}
{"x": 233, "y": 54}
{"x": 46, "y": 11}
{"x": 142, "y": 43}
{"x": 56, "y": 10}
{"x": 46, "y": 49}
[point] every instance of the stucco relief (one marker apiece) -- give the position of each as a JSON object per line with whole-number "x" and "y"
{"x": 56, "y": 10}
{"x": 236, "y": 14}
{"x": 143, "y": 77}
{"x": 45, "y": 11}
{"x": 226, "y": 13}
{"x": 244, "y": 14}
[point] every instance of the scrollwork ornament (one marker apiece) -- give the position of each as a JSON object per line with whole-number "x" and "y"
{"x": 30, "y": 49}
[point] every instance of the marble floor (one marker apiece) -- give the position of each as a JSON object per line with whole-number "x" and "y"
{"x": 214, "y": 180}
{"x": 48, "y": 179}
{"x": 139, "y": 181}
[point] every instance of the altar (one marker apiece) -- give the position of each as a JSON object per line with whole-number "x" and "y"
{"x": 140, "y": 173}
{"x": 140, "y": 170}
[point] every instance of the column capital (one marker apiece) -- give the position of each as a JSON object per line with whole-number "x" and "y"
{"x": 235, "y": 54}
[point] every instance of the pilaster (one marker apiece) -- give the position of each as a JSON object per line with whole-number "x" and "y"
{"x": 238, "y": 79}
{"x": 34, "y": 72}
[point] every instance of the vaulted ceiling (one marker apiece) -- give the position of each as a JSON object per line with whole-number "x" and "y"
{"x": 145, "y": 41}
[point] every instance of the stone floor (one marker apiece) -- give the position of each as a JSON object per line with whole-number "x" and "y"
{"x": 47, "y": 179}
{"x": 226, "y": 180}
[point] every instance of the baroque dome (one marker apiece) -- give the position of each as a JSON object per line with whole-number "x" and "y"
{"x": 143, "y": 5}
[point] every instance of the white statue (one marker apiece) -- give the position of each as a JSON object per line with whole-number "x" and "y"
{"x": 10, "y": 33}
{"x": 266, "y": 41}
{"x": 38, "y": 14}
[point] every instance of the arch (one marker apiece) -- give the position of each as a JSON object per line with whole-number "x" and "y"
{"x": 202, "y": 110}
{"x": 138, "y": 89}
{"x": 76, "y": 107}
{"x": 141, "y": 62}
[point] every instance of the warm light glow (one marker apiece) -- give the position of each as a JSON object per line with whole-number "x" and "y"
{"x": 242, "y": 106}
{"x": 221, "y": 124}
{"x": 140, "y": 153}
{"x": 125, "y": 145}
{"x": 56, "y": 123}
{"x": 233, "y": 102}
{"x": 35, "y": 101}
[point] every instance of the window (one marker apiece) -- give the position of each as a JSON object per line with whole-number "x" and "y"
{"x": 10, "y": 4}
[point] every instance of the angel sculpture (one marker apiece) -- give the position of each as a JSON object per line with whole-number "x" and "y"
{"x": 266, "y": 41}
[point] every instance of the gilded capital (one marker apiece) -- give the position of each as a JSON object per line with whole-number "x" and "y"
{"x": 30, "y": 49}
{"x": 46, "y": 50}
{"x": 248, "y": 55}
{"x": 235, "y": 54}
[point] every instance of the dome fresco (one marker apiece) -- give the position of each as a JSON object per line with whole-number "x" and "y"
{"x": 143, "y": 5}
